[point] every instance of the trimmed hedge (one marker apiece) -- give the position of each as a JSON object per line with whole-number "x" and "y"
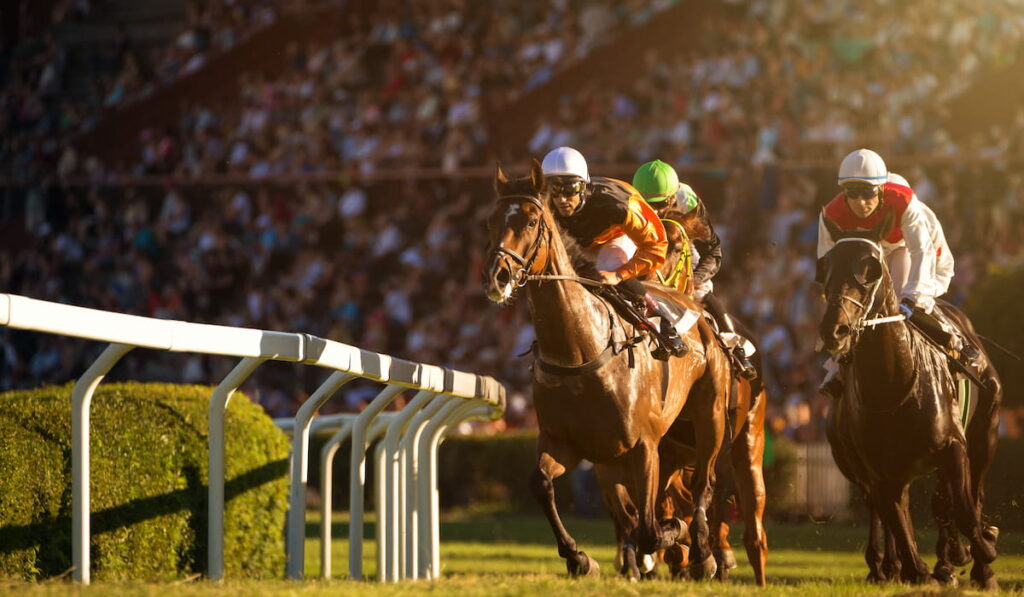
{"x": 148, "y": 484}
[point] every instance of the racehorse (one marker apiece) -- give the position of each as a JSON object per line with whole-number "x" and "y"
{"x": 597, "y": 396}
{"x": 898, "y": 417}
{"x": 745, "y": 448}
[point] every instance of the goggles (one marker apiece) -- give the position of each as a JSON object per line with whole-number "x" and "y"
{"x": 566, "y": 188}
{"x": 860, "y": 191}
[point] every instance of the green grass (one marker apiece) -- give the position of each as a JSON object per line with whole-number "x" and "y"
{"x": 497, "y": 554}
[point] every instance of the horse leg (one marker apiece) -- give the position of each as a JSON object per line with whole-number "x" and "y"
{"x": 623, "y": 514}
{"x": 953, "y": 467}
{"x": 724, "y": 558}
{"x": 646, "y": 476}
{"x": 747, "y": 459}
{"x": 703, "y": 564}
{"x": 892, "y": 565}
{"x": 553, "y": 460}
{"x": 873, "y": 551}
{"x": 892, "y": 503}
{"x": 948, "y": 548}
{"x": 982, "y": 437}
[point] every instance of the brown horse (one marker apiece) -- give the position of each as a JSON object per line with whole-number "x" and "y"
{"x": 745, "y": 451}
{"x": 898, "y": 417}
{"x": 596, "y": 398}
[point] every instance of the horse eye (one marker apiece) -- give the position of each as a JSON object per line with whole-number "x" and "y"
{"x": 532, "y": 223}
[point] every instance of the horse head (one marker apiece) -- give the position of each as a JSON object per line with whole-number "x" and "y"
{"x": 520, "y": 227}
{"x": 853, "y": 277}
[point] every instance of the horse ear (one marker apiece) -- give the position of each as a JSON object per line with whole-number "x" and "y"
{"x": 500, "y": 180}
{"x": 833, "y": 229}
{"x": 883, "y": 228}
{"x": 536, "y": 176}
{"x": 871, "y": 272}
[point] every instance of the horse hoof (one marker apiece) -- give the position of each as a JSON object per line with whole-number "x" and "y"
{"x": 582, "y": 565}
{"x": 726, "y": 559}
{"x": 991, "y": 534}
{"x": 647, "y": 564}
{"x": 876, "y": 578}
{"x": 947, "y": 578}
{"x": 723, "y": 574}
{"x": 989, "y": 584}
{"x": 704, "y": 570}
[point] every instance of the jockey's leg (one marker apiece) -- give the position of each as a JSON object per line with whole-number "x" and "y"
{"x": 717, "y": 310}
{"x": 832, "y": 385}
{"x": 636, "y": 292}
{"x": 939, "y": 328}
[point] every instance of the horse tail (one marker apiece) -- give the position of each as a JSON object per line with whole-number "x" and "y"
{"x": 1001, "y": 348}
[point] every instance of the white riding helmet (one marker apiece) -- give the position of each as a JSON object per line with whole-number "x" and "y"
{"x": 898, "y": 179}
{"x": 863, "y": 165}
{"x": 565, "y": 161}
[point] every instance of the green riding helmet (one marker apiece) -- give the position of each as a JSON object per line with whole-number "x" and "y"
{"x": 657, "y": 181}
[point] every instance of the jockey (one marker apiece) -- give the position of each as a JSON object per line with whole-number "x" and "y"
{"x": 916, "y": 253}
{"x": 678, "y": 205}
{"x": 611, "y": 221}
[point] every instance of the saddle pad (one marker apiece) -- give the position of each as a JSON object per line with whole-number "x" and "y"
{"x": 965, "y": 393}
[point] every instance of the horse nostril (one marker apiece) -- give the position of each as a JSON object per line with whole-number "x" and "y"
{"x": 842, "y": 330}
{"x": 502, "y": 277}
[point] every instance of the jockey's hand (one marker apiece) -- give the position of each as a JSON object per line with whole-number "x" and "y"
{"x": 907, "y": 307}
{"x": 611, "y": 278}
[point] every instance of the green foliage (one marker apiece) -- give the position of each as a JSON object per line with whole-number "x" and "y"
{"x": 994, "y": 307}
{"x": 148, "y": 484}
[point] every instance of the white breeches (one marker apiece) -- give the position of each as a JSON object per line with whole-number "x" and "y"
{"x": 614, "y": 254}
{"x": 898, "y": 262}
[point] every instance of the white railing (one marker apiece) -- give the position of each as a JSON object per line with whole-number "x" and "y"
{"x": 459, "y": 396}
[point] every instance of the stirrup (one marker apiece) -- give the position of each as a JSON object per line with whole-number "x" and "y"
{"x": 969, "y": 354}
{"x": 747, "y": 370}
{"x": 671, "y": 340}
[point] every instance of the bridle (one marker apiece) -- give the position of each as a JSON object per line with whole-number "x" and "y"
{"x": 524, "y": 274}
{"x": 521, "y": 276}
{"x": 861, "y": 322}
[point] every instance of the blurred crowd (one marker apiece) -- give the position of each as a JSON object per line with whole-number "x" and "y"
{"x": 394, "y": 266}
{"x": 793, "y": 80}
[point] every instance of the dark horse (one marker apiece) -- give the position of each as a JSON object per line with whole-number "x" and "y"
{"x": 595, "y": 398}
{"x": 898, "y": 417}
{"x": 741, "y": 475}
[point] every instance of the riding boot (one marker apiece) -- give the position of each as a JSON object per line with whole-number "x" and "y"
{"x": 669, "y": 336}
{"x": 932, "y": 325}
{"x": 833, "y": 384}
{"x": 725, "y": 325}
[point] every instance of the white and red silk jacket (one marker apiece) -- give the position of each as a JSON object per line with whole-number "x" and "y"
{"x": 915, "y": 226}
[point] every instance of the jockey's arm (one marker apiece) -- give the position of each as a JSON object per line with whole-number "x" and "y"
{"x": 709, "y": 251}
{"x": 917, "y": 231}
{"x": 651, "y": 245}
{"x": 825, "y": 242}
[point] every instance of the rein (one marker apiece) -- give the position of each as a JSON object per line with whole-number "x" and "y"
{"x": 523, "y": 275}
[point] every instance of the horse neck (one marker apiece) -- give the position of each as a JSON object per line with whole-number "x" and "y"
{"x": 884, "y": 357}
{"x": 571, "y": 324}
